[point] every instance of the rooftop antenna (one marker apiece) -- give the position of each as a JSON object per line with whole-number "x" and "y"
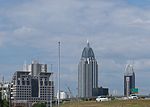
{"x": 25, "y": 66}
{"x": 51, "y": 67}
{"x": 133, "y": 62}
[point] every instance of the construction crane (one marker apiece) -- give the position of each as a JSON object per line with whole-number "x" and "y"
{"x": 70, "y": 93}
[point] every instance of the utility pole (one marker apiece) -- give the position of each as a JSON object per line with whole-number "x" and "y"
{"x": 58, "y": 74}
{"x": 51, "y": 102}
{"x": 9, "y": 94}
{"x": 3, "y": 88}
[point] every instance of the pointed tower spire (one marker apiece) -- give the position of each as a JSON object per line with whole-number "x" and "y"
{"x": 88, "y": 52}
{"x": 88, "y": 44}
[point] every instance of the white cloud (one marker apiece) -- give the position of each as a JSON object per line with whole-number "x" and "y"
{"x": 142, "y": 65}
{"x": 23, "y": 30}
{"x": 2, "y": 38}
{"x": 141, "y": 22}
{"x": 116, "y": 31}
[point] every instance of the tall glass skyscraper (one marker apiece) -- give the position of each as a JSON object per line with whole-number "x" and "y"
{"x": 129, "y": 80}
{"x": 87, "y": 73}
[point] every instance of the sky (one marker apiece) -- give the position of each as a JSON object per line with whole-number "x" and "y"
{"x": 118, "y": 32}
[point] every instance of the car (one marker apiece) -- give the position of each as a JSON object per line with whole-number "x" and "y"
{"x": 133, "y": 96}
{"x": 102, "y": 98}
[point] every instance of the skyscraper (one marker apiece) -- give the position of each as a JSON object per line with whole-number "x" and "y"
{"x": 87, "y": 73}
{"x": 129, "y": 80}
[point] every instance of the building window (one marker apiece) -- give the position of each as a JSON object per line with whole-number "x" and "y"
{"x": 41, "y": 83}
{"x": 45, "y": 83}
{"x": 28, "y": 83}
{"x": 23, "y": 82}
{"x": 18, "y": 82}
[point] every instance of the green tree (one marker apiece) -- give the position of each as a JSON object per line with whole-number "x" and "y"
{"x": 4, "y": 103}
{"x": 0, "y": 99}
{"x": 39, "y": 105}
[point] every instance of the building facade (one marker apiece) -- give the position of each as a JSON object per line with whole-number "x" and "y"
{"x": 4, "y": 90}
{"x": 129, "y": 80}
{"x": 87, "y": 73}
{"x": 32, "y": 86}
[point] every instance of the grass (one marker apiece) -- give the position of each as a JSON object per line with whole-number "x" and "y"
{"x": 115, "y": 103}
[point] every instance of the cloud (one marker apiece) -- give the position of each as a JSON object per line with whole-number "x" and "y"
{"x": 22, "y": 31}
{"x": 142, "y": 65}
{"x": 117, "y": 32}
{"x": 141, "y": 22}
{"x": 2, "y": 38}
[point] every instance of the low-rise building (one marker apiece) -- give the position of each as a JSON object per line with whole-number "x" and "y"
{"x": 4, "y": 90}
{"x": 27, "y": 89}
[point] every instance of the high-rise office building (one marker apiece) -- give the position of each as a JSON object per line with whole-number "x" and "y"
{"x": 129, "y": 80}
{"x": 28, "y": 87}
{"x": 87, "y": 73}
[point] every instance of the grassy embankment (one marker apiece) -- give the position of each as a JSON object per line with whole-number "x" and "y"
{"x": 117, "y": 103}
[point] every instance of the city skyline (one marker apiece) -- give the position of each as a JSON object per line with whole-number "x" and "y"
{"x": 117, "y": 29}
